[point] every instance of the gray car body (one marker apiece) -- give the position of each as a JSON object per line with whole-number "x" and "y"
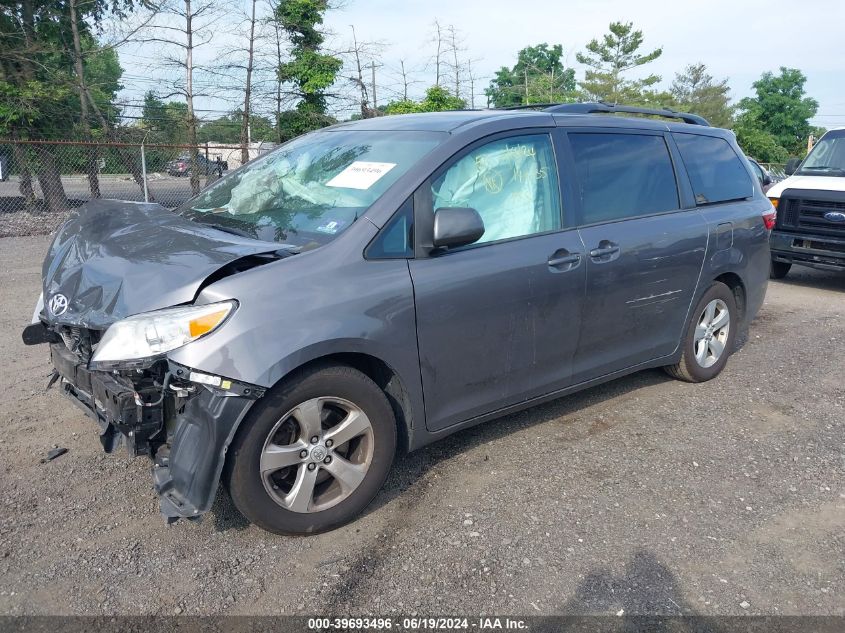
{"x": 345, "y": 303}
{"x": 413, "y": 323}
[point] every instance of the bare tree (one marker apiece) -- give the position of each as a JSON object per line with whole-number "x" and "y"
{"x": 358, "y": 79}
{"x": 450, "y": 65}
{"x": 358, "y": 57}
{"x": 405, "y": 83}
{"x": 472, "y": 79}
{"x": 245, "y": 129}
{"x": 454, "y": 48}
{"x": 401, "y": 80}
{"x": 274, "y": 57}
{"x": 277, "y": 31}
{"x": 183, "y": 27}
{"x": 437, "y": 38}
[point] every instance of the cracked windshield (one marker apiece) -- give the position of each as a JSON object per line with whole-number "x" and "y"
{"x": 311, "y": 189}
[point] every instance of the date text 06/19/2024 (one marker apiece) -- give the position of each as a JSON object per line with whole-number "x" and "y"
{"x": 418, "y": 623}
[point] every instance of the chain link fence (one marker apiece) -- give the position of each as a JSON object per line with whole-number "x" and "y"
{"x": 42, "y": 181}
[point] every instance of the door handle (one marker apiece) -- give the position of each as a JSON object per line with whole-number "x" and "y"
{"x": 604, "y": 249}
{"x": 564, "y": 259}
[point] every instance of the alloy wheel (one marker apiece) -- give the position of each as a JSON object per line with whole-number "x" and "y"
{"x": 711, "y": 333}
{"x": 317, "y": 454}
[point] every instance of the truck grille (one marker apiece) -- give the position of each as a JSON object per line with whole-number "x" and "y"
{"x": 807, "y": 216}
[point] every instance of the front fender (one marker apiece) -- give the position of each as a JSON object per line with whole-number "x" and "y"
{"x": 305, "y": 307}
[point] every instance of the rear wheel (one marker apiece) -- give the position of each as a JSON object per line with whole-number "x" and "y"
{"x": 709, "y": 338}
{"x": 314, "y": 453}
{"x": 779, "y": 270}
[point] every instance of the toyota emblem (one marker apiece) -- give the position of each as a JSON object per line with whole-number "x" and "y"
{"x": 58, "y": 305}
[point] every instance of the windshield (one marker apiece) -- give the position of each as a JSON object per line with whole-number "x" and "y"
{"x": 311, "y": 189}
{"x": 827, "y": 157}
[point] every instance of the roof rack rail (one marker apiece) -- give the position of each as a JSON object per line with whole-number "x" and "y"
{"x": 607, "y": 108}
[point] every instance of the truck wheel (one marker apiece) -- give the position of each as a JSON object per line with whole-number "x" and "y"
{"x": 709, "y": 337}
{"x": 779, "y": 270}
{"x": 313, "y": 453}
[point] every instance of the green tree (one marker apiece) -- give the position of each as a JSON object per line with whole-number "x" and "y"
{"x": 757, "y": 142}
{"x": 227, "y": 129}
{"x": 538, "y": 76}
{"x": 695, "y": 90}
{"x": 608, "y": 59}
{"x": 165, "y": 122}
{"x": 780, "y": 109}
{"x": 310, "y": 71}
{"x": 46, "y": 84}
{"x": 437, "y": 99}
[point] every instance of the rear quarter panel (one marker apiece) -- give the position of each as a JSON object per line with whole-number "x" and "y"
{"x": 744, "y": 251}
{"x": 738, "y": 241}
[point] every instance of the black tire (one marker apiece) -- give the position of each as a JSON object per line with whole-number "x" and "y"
{"x": 242, "y": 474}
{"x": 779, "y": 270}
{"x": 688, "y": 368}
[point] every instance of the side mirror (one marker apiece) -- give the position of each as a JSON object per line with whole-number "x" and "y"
{"x": 766, "y": 180}
{"x": 456, "y": 226}
{"x": 791, "y": 166}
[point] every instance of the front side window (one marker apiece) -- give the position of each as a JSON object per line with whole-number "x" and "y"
{"x": 511, "y": 182}
{"x": 827, "y": 157}
{"x": 716, "y": 172}
{"x": 311, "y": 189}
{"x": 623, "y": 175}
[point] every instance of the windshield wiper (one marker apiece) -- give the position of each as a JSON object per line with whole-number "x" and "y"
{"x": 229, "y": 229}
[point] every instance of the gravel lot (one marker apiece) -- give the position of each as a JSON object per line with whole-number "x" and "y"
{"x": 646, "y": 494}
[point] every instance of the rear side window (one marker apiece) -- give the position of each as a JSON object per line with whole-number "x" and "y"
{"x": 623, "y": 176}
{"x": 716, "y": 172}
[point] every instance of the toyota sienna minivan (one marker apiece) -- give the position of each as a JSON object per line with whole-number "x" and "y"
{"x": 377, "y": 285}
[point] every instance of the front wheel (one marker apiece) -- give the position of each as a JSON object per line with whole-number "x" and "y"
{"x": 314, "y": 453}
{"x": 709, "y": 338}
{"x": 779, "y": 270}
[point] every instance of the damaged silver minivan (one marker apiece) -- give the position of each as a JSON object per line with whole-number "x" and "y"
{"x": 380, "y": 284}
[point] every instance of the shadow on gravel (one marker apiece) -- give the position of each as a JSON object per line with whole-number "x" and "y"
{"x": 803, "y": 277}
{"x": 224, "y": 514}
{"x": 645, "y": 587}
{"x": 408, "y": 468}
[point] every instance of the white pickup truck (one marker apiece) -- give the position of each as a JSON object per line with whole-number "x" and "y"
{"x": 810, "y": 227}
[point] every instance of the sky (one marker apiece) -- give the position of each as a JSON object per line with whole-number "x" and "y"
{"x": 736, "y": 39}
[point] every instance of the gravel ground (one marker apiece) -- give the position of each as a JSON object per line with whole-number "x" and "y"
{"x": 646, "y": 494}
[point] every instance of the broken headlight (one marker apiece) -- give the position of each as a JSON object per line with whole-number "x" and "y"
{"x": 154, "y": 333}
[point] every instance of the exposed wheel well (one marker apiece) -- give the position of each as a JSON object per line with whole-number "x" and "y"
{"x": 388, "y": 381}
{"x": 733, "y": 281}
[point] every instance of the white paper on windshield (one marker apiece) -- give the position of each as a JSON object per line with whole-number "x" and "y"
{"x": 360, "y": 175}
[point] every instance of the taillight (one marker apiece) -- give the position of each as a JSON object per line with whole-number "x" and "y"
{"x": 769, "y": 218}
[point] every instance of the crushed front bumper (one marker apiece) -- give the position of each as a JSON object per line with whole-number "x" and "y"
{"x": 183, "y": 425}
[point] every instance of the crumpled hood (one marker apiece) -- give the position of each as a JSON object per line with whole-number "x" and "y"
{"x": 113, "y": 259}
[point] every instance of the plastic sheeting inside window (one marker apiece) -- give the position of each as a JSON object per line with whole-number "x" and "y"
{"x": 512, "y": 183}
